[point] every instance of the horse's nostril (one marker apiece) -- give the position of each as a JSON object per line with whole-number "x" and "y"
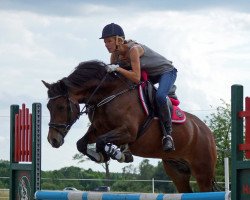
{"x": 55, "y": 143}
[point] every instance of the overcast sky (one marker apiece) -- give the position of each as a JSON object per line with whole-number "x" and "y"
{"x": 208, "y": 42}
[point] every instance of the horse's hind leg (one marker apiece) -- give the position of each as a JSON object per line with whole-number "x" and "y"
{"x": 180, "y": 178}
{"x": 204, "y": 176}
{"x": 203, "y": 167}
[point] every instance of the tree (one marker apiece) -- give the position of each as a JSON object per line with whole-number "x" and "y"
{"x": 146, "y": 169}
{"x": 220, "y": 124}
{"x": 4, "y": 172}
{"x": 159, "y": 175}
{"x": 129, "y": 171}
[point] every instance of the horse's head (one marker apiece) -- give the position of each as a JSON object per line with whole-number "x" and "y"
{"x": 84, "y": 85}
{"x": 64, "y": 111}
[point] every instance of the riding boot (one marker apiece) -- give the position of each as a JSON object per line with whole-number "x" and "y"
{"x": 166, "y": 125}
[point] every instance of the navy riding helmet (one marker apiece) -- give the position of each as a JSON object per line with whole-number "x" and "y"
{"x": 112, "y": 30}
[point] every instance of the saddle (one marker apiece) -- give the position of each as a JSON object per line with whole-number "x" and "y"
{"x": 147, "y": 93}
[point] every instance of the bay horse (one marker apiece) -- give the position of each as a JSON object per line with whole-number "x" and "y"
{"x": 116, "y": 115}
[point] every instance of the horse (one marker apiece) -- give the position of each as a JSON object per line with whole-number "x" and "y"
{"x": 116, "y": 115}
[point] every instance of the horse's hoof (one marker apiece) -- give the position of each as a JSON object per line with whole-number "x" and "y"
{"x": 128, "y": 157}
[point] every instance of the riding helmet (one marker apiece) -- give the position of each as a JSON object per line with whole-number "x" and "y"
{"x": 112, "y": 30}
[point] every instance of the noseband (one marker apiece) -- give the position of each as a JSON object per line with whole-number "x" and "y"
{"x": 64, "y": 128}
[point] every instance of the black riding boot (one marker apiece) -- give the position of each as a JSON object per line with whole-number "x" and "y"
{"x": 166, "y": 125}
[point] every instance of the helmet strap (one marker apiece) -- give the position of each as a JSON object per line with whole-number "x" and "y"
{"x": 116, "y": 43}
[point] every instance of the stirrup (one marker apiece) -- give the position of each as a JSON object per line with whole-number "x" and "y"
{"x": 168, "y": 143}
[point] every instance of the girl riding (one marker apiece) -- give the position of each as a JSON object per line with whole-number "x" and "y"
{"x": 129, "y": 58}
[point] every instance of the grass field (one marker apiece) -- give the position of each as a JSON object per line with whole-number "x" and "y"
{"x": 4, "y": 194}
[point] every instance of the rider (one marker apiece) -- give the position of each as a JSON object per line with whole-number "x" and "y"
{"x": 129, "y": 58}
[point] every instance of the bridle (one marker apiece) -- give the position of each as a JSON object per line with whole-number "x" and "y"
{"x": 63, "y": 128}
{"x": 90, "y": 108}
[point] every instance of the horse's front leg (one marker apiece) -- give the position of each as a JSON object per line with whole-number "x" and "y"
{"x": 82, "y": 146}
{"x": 115, "y": 144}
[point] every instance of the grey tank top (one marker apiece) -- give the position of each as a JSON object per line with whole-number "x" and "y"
{"x": 152, "y": 62}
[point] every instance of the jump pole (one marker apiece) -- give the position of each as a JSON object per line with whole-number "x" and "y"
{"x": 74, "y": 195}
{"x": 25, "y": 151}
{"x": 240, "y": 149}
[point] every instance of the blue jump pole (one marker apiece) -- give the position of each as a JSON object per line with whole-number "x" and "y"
{"x": 74, "y": 195}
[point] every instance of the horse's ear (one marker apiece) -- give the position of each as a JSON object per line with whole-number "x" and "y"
{"x": 47, "y": 85}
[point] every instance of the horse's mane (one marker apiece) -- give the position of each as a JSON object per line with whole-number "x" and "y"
{"x": 84, "y": 72}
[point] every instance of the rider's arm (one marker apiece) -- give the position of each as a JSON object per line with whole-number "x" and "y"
{"x": 135, "y": 74}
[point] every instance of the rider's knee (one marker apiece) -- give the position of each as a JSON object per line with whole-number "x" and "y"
{"x": 160, "y": 98}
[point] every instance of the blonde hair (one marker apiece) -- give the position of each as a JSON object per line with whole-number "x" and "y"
{"x": 117, "y": 38}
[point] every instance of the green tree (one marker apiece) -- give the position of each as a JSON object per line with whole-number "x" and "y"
{"x": 220, "y": 124}
{"x": 146, "y": 170}
{"x": 128, "y": 180}
{"x": 4, "y": 172}
{"x": 160, "y": 174}
{"x": 129, "y": 172}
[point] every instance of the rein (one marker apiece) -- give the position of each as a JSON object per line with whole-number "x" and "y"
{"x": 85, "y": 109}
{"x": 110, "y": 98}
{"x": 91, "y": 108}
{"x": 105, "y": 101}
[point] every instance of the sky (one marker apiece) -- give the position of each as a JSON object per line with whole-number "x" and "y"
{"x": 208, "y": 42}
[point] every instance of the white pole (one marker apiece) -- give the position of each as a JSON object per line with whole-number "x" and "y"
{"x": 153, "y": 185}
{"x": 226, "y": 167}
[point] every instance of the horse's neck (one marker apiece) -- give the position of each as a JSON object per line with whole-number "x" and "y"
{"x": 85, "y": 95}
{"x": 107, "y": 90}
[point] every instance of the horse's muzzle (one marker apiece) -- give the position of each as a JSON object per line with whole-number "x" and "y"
{"x": 56, "y": 142}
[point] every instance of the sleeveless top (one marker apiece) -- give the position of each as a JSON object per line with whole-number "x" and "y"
{"x": 152, "y": 62}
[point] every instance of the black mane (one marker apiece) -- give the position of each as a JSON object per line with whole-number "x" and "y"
{"x": 84, "y": 72}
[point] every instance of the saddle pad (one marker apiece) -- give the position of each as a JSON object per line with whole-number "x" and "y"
{"x": 178, "y": 116}
{"x": 142, "y": 99}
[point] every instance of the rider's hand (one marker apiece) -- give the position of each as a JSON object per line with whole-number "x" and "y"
{"x": 112, "y": 68}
